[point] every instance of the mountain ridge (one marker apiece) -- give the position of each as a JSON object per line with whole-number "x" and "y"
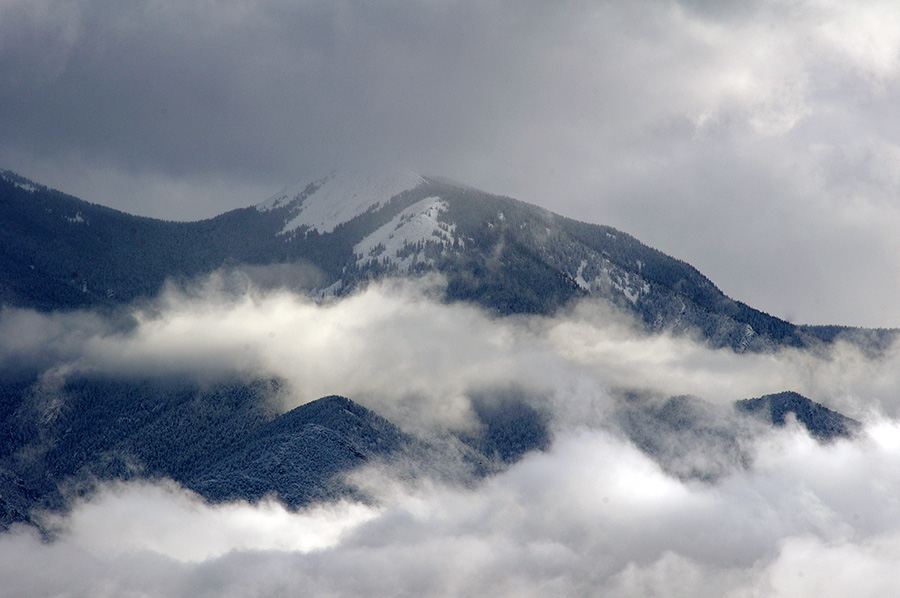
{"x": 228, "y": 441}
{"x": 503, "y": 254}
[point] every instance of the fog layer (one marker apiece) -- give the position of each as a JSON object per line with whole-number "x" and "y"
{"x": 593, "y": 514}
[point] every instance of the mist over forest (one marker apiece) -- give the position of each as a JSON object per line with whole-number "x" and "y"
{"x": 724, "y": 506}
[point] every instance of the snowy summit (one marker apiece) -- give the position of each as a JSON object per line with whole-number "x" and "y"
{"x": 339, "y": 197}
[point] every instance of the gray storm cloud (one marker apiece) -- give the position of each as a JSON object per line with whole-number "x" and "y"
{"x": 754, "y": 140}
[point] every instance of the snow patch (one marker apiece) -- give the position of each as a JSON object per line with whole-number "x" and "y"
{"x": 339, "y": 198}
{"x": 20, "y": 183}
{"x": 78, "y": 219}
{"x": 746, "y": 337}
{"x": 417, "y": 224}
{"x": 630, "y": 286}
{"x": 631, "y": 294}
{"x": 579, "y": 277}
{"x": 610, "y": 279}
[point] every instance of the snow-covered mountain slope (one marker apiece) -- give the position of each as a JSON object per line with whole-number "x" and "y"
{"x": 338, "y": 198}
{"x": 222, "y": 440}
{"x": 505, "y": 255}
{"x": 513, "y": 257}
{"x": 401, "y": 242}
{"x": 19, "y": 182}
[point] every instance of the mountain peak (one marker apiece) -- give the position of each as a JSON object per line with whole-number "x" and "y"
{"x": 505, "y": 255}
{"x": 325, "y": 203}
{"x": 822, "y": 422}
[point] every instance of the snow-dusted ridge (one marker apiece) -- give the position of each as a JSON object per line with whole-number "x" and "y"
{"x": 339, "y": 198}
{"x": 416, "y": 226}
{"x": 20, "y": 182}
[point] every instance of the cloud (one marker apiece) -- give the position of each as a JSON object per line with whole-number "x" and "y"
{"x": 753, "y": 140}
{"x": 202, "y": 92}
{"x": 163, "y": 519}
{"x": 396, "y": 349}
{"x": 598, "y": 511}
{"x": 592, "y": 514}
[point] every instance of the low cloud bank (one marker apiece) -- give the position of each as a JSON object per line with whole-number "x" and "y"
{"x": 592, "y": 515}
{"x": 595, "y": 513}
{"x": 398, "y": 350}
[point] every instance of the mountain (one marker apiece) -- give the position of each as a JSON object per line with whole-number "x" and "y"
{"x": 225, "y": 441}
{"x": 333, "y": 234}
{"x": 819, "y": 421}
{"x": 694, "y": 439}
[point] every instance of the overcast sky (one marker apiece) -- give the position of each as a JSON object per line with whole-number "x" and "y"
{"x": 757, "y": 140}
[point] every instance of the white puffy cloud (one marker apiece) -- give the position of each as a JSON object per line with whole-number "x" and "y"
{"x": 160, "y": 518}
